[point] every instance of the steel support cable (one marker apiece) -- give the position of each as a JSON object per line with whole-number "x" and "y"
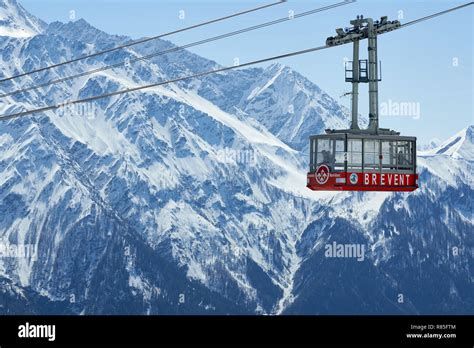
{"x": 90, "y": 99}
{"x": 140, "y": 41}
{"x": 435, "y": 15}
{"x": 287, "y": 55}
{"x": 178, "y": 48}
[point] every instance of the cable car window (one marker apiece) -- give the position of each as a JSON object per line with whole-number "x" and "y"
{"x": 331, "y": 153}
{"x": 371, "y": 154}
{"x": 411, "y": 156}
{"x": 404, "y": 157}
{"x": 313, "y": 155}
{"x": 354, "y": 149}
{"x": 389, "y": 155}
{"x": 325, "y": 153}
{"x": 339, "y": 166}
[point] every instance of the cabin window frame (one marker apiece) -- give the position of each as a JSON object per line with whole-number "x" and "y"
{"x": 342, "y": 147}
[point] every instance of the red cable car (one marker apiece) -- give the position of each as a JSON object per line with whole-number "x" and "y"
{"x": 372, "y": 159}
{"x": 360, "y": 162}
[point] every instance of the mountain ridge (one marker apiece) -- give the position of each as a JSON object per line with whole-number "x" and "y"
{"x": 459, "y": 146}
{"x": 15, "y": 21}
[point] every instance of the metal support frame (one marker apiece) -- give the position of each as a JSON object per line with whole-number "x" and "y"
{"x": 373, "y": 78}
{"x": 355, "y": 86}
{"x": 364, "y": 28}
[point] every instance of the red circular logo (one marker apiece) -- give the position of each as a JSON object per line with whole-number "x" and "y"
{"x": 322, "y": 174}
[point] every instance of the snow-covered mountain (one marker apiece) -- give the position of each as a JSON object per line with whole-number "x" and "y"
{"x": 191, "y": 197}
{"x": 15, "y": 21}
{"x": 458, "y": 146}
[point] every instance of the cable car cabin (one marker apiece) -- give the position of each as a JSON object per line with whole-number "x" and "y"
{"x": 362, "y": 162}
{"x": 372, "y": 159}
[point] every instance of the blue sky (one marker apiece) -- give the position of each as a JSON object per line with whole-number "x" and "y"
{"x": 429, "y": 64}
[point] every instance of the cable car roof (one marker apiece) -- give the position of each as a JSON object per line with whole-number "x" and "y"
{"x": 364, "y": 136}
